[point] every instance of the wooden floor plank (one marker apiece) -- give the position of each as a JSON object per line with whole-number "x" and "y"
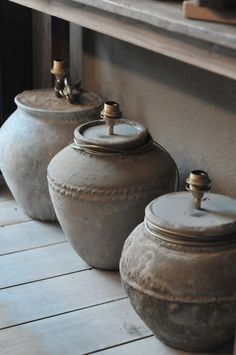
{"x": 152, "y": 346}
{"x": 11, "y": 213}
{"x": 39, "y": 264}
{"x": 76, "y": 333}
{"x": 58, "y": 295}
{"x": 27, "y": 235}
{"x": 52, "y": 303}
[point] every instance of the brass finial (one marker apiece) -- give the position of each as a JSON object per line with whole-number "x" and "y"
{"x": 59, "y": 69}
{"x": 62, "y": 86}
{"x": 110, "y": 113}
{"x": 198, "y": 183}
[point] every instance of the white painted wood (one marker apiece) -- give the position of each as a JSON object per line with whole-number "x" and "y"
{"x": 152, "y": 346}
{"x": 11, "y": 213}
{"x": 58, "y": 295}
{"x": 75, "y": 333}
{"x": 27, "y": 235}
{"x": 156, "y": 26}
{"x": 36, "y": 264}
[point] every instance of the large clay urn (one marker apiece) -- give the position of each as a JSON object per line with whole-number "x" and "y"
{"x": 110, "y": 173}
{"x": 178, "y": 267}
{"x": 40, "y": 127}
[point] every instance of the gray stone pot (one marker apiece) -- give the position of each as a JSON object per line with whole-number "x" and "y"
{"x": 100, "y": 194}
{"x": 40, "y": 127}
{"x": 178, "y": 268}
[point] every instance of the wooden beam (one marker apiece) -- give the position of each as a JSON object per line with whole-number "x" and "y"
{"x": 198, "y": 52}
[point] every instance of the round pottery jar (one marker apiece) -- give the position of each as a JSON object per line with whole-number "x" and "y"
{"x": 110, "y": 173}
{"x": 178, "y": 267}
{"x": 40, "y": 127}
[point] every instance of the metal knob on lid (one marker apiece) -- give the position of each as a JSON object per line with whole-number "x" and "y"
{"x": 110, "y": 113}
{"x": 63, "y": 88}
{"x": 198, "y": 183}
{"x": 59, "y": 71}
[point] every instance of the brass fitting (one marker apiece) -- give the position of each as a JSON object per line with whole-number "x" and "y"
{"x": 198, "y": 183}
{"x": 59, "y": 71}
{"x": 110, "y": 113}
{"x": 62, "y": 86}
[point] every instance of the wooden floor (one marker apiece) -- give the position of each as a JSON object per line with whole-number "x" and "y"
{"x": 53, "y": 303}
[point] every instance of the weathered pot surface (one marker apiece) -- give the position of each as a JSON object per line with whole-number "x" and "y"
{"x": 110, "y": 173}
{"x": 178, "y": 268}
{"x": 40, "y": 127}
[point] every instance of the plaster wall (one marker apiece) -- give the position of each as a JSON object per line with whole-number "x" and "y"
{"x": 189, "y": 111}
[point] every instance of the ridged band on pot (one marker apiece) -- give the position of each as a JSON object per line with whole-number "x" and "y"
{"x": 183, "y": 284}
{"x": 100, "y": 198}
{"x": 40, "y": 127}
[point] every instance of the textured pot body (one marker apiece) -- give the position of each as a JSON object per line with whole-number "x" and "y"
{"x": 40, "y": 127}
{"x": 186, "y": 295}
{"x": 100, "y": 199}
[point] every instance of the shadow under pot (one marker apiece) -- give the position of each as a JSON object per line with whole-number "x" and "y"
{"x": 110, "y": 173}
{"x": 40, "y": 127}
{"x": 178, "y": 267}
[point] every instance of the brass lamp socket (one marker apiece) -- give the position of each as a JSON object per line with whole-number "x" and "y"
{"x": 110, "y": 113}
{"x": 198, "y": 183}
{"x": 59, "y": 69}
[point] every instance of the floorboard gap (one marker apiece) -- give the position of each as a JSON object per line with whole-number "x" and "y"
{"x": 120, "y": 344}
{"x": 46, "y": 278}
{"x": 15, "y": 223}
{"x": 62, "y": 313}
{"x": 39, "y": 247}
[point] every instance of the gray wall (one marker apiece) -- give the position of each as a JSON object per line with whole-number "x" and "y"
{"x": 189, "y": 111}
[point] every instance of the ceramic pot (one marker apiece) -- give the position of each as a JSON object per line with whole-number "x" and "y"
{"x": 40, "y": 127}
{"x": 110, "y": 173}
{"x": 178, "y": 268}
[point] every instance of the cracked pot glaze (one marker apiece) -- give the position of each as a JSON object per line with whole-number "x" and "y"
{"x": 178, "y": 269}
{"x": 40, "y": 127}
{"x": 107, "y": 180}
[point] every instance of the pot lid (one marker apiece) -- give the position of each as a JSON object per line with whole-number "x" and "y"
{"x": 177, "y": 214}
{"x": 44, "y": 100}
{"x": 112, "y": 131}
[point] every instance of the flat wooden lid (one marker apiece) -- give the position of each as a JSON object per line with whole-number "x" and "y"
{"x": 126, "y": 135}
{"x": 44, "y": 100}
{"x": 175, "y": 214}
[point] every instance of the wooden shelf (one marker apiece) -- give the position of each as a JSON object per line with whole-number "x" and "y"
{"x": 154, "y": 25}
